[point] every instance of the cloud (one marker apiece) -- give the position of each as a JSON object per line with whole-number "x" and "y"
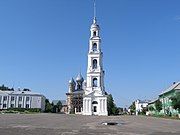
{"x": 177, "y": 18}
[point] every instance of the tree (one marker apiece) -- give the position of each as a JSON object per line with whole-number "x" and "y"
{"x": 56, "y": 107}
{"x": 151, "y": 108}
{"x": 48, "y": 106}
{"x": 158, "y": 105}
{"x": 144, "y": 110}
{"x": 59, "y": 106}
{"x": 132, "y": 107}
{"x": 111, "y": 107}
{"x": 176, "y": 102}
{"x": 4, "y": 88}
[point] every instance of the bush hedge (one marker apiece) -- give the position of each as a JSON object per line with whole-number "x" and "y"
{"x": 24, "y": 109}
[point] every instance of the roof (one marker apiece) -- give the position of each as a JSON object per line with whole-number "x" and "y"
{"x": 63, "y": 102}
{"x": 78, "y": 92}
{"x": 20, "y": 92}
{"x": 152, "y": 101}
{"x": 55, "y": 102}
{"x": 143, "y": 101}
{"x": 3, "y": 92}
{"x": 175, "y": 86}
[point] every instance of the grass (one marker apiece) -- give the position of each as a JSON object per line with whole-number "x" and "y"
{"x": 174, "y": 117}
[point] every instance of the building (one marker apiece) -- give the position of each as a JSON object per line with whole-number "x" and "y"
{"x": 89, "y": 97}
{"x": 75, "y": 95}
{"x": 95, "y": 99}
{"x": 165, "y": 98}
{"x": 140, "y": 105}
{"x": 64, "y": 105}
{"x": 21, "y": 99}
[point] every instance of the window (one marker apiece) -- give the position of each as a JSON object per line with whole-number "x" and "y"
{"x": 19, "y": 105}
{"x": 95, "y": 82}
{"x": 20, "y": 98}
{"x": 27, "y": 98}
{"x": 12, "y": 105}
{"x": 94, "y": 47}
{"x": 4, "y": 105}
{"x": 27, "y": 105}
{"x": 94, "y": 64}
{"x": 5, "y": 98}
{"x": 94, "y": 33}
{"x": 12, "y": 98}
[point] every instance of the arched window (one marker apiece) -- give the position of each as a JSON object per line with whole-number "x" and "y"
{"x": 94, "y": 33}
{"x": 95, "y": 82}
{"x": 94, "y": 64}
{"x": 94, "y": 47}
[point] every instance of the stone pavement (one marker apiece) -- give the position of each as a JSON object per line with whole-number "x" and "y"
{"x": 61, "y": 124}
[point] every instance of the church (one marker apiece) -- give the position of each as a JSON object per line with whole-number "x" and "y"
{"x": 88, "y": 97}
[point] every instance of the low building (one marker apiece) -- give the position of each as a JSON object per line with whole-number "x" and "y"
{"x": 64, "y": 105}
{"x": 165, "y": 98}
{"x": 21, "y": 99}
{"x": 140, "y": 105}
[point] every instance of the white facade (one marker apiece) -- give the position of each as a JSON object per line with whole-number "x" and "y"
{"x": 21, "y": 99}
{"x": 139, "y": 105}
{"x": 95, "y": 100}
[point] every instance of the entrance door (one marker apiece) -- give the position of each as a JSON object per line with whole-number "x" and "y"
{"x": 95, "y": 109}
{"x": 94, "y": 105}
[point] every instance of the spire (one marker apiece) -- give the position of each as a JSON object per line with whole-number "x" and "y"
{"x": 94, "y": 19}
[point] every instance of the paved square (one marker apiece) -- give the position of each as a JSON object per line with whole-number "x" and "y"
{"x": 60, "y": 124}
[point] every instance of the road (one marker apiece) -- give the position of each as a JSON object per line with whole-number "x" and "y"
{"x": 61, "y": 124}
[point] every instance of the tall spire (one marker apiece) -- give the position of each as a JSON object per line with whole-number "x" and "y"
{"x": 94, "y": 19}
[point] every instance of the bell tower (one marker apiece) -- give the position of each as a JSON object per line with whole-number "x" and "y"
{"x": 95, "y": 100}
{"x": 95, "y": 72}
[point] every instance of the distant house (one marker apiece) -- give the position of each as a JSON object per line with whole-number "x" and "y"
{"x": 64, "y": 108}
{"x": 140, "y": 105}
{"x": 21, "y": 99}
{"x": 165, "y": 98}
{"x": 64, "y": 105}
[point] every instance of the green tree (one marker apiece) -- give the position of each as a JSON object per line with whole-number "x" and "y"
{"x": 59, "y": 106}
{"x": 132, "y": 107}
{"x": 144, "y": 110}
{"x": 158, "y": 105}
{"x": 56, "y": 107}
{"x": 111, "y": 107}
{"x": 176, "y": 102}
{"x": 4, "y": 88}
{"x": 48, "y": 106}
{"x": 151, "y": 108}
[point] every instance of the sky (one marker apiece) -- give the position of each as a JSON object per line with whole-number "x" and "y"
{"x": 43, "y": 43}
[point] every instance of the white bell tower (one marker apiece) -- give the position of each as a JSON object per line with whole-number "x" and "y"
{"x": 95, "y": 100}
